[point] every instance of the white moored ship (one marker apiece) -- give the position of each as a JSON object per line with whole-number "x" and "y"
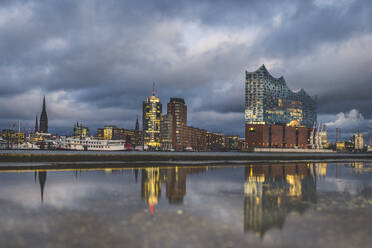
{"x": 89, "y": 144}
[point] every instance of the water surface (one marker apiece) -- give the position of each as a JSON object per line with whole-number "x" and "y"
{"x": 270, "y": 205}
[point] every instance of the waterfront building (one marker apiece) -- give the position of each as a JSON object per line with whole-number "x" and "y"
{"x": 268, "y": 100}
{"x": 80, "y": 130}
{"x": 233, "y": 143}
{"x": 196, "y": 139}
{"x": 12, "y": 137}
{"x": 109, "y": 132}
{"x": 152, "y": 114}
{"x": 43, "y": 119}
{"x": 215, "y": 141}
{"x": 358, "y": 141}
{"x": 138, "y": 138}
{"x": 112, "y": 132}
{"x": 166, "y": 132}
{"x": 345, "y": 146}
{"x": 275, "y": 116}
{"x": 177, "y": 108}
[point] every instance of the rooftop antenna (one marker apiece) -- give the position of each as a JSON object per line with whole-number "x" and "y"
{"x": 153, "y": 88}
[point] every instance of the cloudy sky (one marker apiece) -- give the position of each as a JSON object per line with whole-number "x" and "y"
{"x": 95, "y": 61}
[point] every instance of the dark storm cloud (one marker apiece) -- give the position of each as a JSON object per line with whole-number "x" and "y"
{"x": 106, "y": 54}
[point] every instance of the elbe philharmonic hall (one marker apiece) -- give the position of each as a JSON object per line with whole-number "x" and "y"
{"x": 275, "y": 116}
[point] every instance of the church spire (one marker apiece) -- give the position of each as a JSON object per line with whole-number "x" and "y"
{"x": 137, "y": 125}
{"x": 36, "y": 125}
{"x": 44, "y": 119}
{"x": 44, "y": 109}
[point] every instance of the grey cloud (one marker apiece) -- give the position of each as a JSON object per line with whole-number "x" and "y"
{"x": 107, "y": 53}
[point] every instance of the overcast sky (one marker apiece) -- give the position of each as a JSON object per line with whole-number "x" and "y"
{"x": 95, "y": 61}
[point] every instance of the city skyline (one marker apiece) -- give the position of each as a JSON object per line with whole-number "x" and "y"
{"x": 97, "y": 65}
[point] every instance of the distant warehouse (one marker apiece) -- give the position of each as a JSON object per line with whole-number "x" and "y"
{"x": 275, "y": 116}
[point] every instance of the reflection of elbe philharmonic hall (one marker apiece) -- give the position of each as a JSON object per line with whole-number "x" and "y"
{"x": 275, "y": 116}
{"x": 271, "y": 192}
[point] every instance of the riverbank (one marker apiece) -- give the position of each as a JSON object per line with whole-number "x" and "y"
{"x": 166, "y": 157}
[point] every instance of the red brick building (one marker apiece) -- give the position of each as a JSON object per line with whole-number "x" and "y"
{"x": 276, "y": 136}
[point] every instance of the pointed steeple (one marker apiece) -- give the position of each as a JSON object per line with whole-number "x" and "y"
{"x": 44, "y": 119}
{"x": 44, "y": 107}
{"x": 137, "y": 125}
{"x": 36, "y": 125}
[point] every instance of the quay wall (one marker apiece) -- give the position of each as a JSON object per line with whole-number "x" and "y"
{"x": 174, "y": 156}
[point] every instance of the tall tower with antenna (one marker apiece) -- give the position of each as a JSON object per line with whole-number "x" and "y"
{"x": 152, "y": 114}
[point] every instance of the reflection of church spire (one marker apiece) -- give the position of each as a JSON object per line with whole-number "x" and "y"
{"x": 136, "y": 175}
{"x": 42, "y": 180}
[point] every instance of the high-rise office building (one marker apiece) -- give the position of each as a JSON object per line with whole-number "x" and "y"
{"x": 166, "y": 128}
{"x": 177, "y": 108}
{"x": 44, "y": 119}
{"x": 152, "y": 114}
{"x": 275, "y": 116}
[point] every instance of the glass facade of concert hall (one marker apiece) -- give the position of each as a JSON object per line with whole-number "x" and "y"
{"x": 268, "y": 100}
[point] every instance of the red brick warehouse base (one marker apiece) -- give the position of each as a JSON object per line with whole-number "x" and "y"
{"x": 276, "y": 136}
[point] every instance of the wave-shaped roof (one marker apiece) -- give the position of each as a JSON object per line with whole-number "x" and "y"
{"x": 262, "y": 70}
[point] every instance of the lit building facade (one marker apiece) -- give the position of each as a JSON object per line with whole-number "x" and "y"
{"x": 268, "y": 100}
{"x": 166, "y": 128}
{"x": 152, "y": 114}
{"x": 358, "y": 141}
{"x": 12, "y": 137}
{"x": 110, "y": 133}
{"x": 80, "y": 130}
{"x": 215, "y": 141}
{"x": 275, "y": 116}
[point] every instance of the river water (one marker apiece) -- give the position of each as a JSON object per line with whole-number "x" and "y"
{"x": 262, "y": 205}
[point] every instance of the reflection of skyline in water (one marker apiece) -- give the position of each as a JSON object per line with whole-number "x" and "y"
{"x": 269, "y": 192}
{"x": 175, "y": 181}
